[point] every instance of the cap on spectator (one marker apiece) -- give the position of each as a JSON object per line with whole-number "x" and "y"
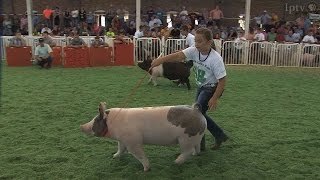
{"x": 41, "y": 39}
{"x": 265, "y": 11}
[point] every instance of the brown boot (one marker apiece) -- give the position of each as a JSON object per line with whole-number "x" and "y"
{"x": 219, "y": 141}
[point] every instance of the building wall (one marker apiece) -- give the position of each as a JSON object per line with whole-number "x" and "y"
{"x": 231, "y": 8}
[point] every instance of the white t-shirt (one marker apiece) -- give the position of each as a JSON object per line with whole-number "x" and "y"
{"x": 138, "y": 34}
{"x": 48, "y": 30}
{"x": 208, "y": 69}
{"x": 259, "y": 37}
{"x": 43, "y": 51}
{"x": 309, "y": 39}
{"x": 190, "y": 40}
{"x": 75, "y": 13}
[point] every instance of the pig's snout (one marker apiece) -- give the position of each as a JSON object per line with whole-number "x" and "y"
{"x": 86, "y": 129}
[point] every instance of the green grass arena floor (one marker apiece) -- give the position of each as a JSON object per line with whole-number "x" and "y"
{"x": 272, "y": 116}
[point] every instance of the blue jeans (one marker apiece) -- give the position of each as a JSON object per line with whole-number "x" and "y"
{"x": 204, "y": 94}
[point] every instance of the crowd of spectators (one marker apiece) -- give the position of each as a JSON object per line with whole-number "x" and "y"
{"x": 263, "y": 27}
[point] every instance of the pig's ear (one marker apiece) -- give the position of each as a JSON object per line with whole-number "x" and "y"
{"x": 102, "y": 109}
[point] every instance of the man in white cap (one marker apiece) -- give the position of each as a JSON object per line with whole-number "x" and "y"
{"x": 43, "y": 54}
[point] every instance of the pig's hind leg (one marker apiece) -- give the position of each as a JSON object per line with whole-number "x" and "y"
{"x": 186, "y": 147}
{"x": 121, "y": 150}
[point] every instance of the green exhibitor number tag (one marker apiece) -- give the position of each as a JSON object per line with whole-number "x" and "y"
{"x": 200, "y": 75}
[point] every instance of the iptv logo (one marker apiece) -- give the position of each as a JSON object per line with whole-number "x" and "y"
{"x": 311, "y": 7}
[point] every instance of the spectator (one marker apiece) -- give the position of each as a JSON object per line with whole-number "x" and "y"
{"x": 150, "y": 13}
{"x": 47, "y": 39}
{"x": 216, "y": 15}
{"x": 259, "y": 35}
{"x": 98, "y": 42}
{"x": 139, "y": 33}
{"x": 131, "y": 30}
{"x": 7, "y": 26}
{"x": 274, "y": 19}
{"x": 271, "y": 37}
{"x": 110, "y": 33}
{"x": 154, "y": 22}
{"x": 90, "y": 19}
{"x": 184, "y": 11}
{"x": 265, "y": 20}
{"x": 290, "y": 37}
{"x": 160, "y": 14}
{"x": 47, "y": 13}
{"x": 46, "y": 28}
{"x": 216, "y": 32}
{"x": 75, "y": 16}
{"x": 96, "y": 29}
{"x": 232, "y": 35}
{"x": 83, "y": 15}
{"x": 175, "y": 33}
{"x": 56, "y": 31}
{"x": 76, "y": 41}
{"x": 67, "y": 18}
{"x": 85, "y": 31}
{"x": 35, "y": 18}
{"x": 56, "y": 19}
{"x": 185, "y": 31}
{"x": 17, "y": 41}
{"x": 250, "y": 36}
{"x": 24, "y": 23}
{"x": 43, "y": 54}
{"x": 309, "y": 38}
{"x": 16, "y": 23}
{"x": 258, "y": 21}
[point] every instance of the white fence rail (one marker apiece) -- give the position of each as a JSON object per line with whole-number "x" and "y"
{"x": 233, "y": 53}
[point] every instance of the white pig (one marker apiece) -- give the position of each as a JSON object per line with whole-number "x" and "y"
{"x": 164, "y": 125}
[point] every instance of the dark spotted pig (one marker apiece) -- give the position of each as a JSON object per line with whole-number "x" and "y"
{"x": 165, "y": 125}
{"x": 171, "y": 70}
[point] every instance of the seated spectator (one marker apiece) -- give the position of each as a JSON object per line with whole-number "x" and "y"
{"x": 271, "y": 37}
{"x": 154, "y": 22}
{"x": 309, "y": 38}
{"x": 47, "y": 39}
{"x": 290, "y": 37}
{"x": 110, "y": 33}
{"x": 43, "y": 54}
{"x": 139, "y": 32}
{"x": 46, "y": 28}
{"x": 232, "y": 35}
{"x": 185, "y": 31}
{"x": 120, "y": 39}
{"x": 84, "y": 31}
{"x": 216, "y": 32}
{"x": 131, "y": 30}
{"x": 317, "y": 35}
{"x": 165, "y": 32}
{"x": 98, "y": 42}
{"x": 175, "y": 33}
{"x": 17, "y": 41}
{"x": 56, "y": 31}
{"x": 259, "y": 36}
{"x": 241, "y": 37}
{"x": 76, "y": 41}
{"x": 250, "y": 36}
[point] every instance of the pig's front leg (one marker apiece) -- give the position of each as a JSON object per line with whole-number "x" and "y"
{"x": 137, "y": 151}
{"x": 121, "y": 150}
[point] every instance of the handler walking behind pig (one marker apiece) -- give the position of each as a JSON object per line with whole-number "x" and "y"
{"x": 210, "y": 74}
